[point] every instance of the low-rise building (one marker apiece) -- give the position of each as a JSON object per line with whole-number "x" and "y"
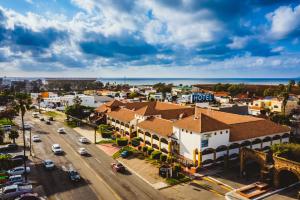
{"x": 274, "y": 105}
{"x": 194, "y": 136}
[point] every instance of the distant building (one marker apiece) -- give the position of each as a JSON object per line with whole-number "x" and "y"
{"x": 160, "y": 97}
{"x": 68, "y": 83}
{"x": 239, "y": 109}
{"x": 274, "y": 105}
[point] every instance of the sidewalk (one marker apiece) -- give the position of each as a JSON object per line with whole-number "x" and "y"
{"x": 88, "y": 132}
{"x": 145, "y": 171}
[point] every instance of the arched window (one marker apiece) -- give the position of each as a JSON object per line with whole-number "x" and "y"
{"x": 234, "y": 146}
{"x": 164, "y": 150}
{"x": 276, "y": 137}
{"x": 256, "y": 141}
{"x": 286, "y": 135}
{"x": 148, "y": 134}
{"x": 155, "y": 146}
{"x": 127, "y": 133}
{"x": 208, "y": 161}
{"x": 155, "y": 137}
{"x": 221, "y": 148}
{"x": 147, "y": 142}
{"x": 267, "y": 139}
{"x": 245, "y": 143}
{"x": 208, "y": 151}
{"x": 164, "y": 140}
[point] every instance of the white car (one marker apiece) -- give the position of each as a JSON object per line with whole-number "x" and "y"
{"x": 61, "y": 130}
{"x": 56, "y": 149}
{"x": 36, "y": 138}
{"x": 48, "y": 164}
{"x": 83, "y": 140}
{"x": 82, "y": 151}
{"x": 18, "y": 171}
{"x": 16, "y": 179}
{"x": 27, "y": 126}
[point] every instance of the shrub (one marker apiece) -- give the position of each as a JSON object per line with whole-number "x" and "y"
{"x": 135, "y": 142}
{"x": 177, "y": 168}
{"x": 145, "y": 148}
{"x": 169, "y": 159}
{"x": 106, "y": 134}
{"x": 155, "y": 155}
{"x": 163, "y": 157}
{"x": 122, "y": 141}
{"x": 149, "y": 151}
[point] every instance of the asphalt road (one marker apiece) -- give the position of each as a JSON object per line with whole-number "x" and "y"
{"x": 99, "y": 181}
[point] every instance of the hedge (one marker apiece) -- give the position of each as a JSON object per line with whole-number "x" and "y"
{"x": 106, "y": 134}
{"x": 163, "y": 158}
{"x": 145, "y": 148}
{"x": 149, "y": 151}
{"x": 135, "y": 142}
{"x": 7, "y": 163}
{"x": 155, "y": 155}
{"x": 122, "y": 141}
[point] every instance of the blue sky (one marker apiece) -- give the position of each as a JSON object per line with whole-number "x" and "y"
{"x": 150, "y": 38}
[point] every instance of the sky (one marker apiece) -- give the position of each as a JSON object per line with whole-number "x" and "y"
{"x": 150, "y": 38}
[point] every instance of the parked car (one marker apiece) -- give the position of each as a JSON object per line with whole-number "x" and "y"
{"x": 13, "y": 191}
{"x": 6, "y": 127}
{"x": 48, "y": 164}
{"x": 118, "y": 167}
{"x": 42, "y": 119}
{"x": 18, "y": 171}
{"x": 56, "y": 149}
{"x": 29, "y": 196}
{"x": 15, "y": 179}
{"x": 61, "y": 130}
{"x": 35, "y": 115}
{"x": 50, "y": 118}
{"x": 82, "y": 151}
{"x": 73, "y": 175}
{"x": 19, "y": 157}
{"x": 124, "y": 154}
{"x": 83, "y": 140}
{"x": 36, "y": 138}
{"x": 48, "y": 122}
{"x": 12, "y": 146}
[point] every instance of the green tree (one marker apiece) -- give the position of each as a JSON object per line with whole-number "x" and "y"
{"x": 13, "y": 135}
{"x": 77, "y": 101}
{"x": 22, "y": 104}
{"x": 133, "y": 95}
{"x": 268, "y": 92}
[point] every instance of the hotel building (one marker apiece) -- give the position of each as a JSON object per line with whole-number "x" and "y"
{"x": 195, "y": 136}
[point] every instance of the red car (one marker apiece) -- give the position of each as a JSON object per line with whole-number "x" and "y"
{"x": 118, "y": 167}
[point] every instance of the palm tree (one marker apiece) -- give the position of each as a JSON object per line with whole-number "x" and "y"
{"x": 22, "y": 104}
{"x": 13, "y": 135}
{"x": 285, "y": 96}
{"x": 1, "y": 136}
{"x": 39, "y": 99}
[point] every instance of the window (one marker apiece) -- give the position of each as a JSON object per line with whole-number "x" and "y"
{"x": 204, "y": 142}
{"x": 215, "y": 133}
{"x": 221, "y": 132}
{"x": 191, "y": 132}
{"x": 275, "y": 106}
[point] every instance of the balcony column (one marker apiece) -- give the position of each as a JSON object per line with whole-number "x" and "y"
{"x": 169, "y": 148}
{"x": 194, "y": 156}
{"x": 144, "y": 137}
{"x": 159, "y": 144}
{"x": 199, "y": 158}
{"x": 151, "y": 140}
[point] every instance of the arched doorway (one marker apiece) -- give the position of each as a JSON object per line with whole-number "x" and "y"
{"x": 286, "y": 178}
{"x": 252, "y": 169}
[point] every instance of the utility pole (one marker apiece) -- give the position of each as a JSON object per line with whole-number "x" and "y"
{"x": 30, "y": 142}
{"x": 24, "y": 148}
{"x": 95, "y": 135}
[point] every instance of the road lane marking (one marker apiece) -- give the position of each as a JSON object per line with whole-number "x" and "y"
{"x": 99, "y": 161}
{"x": 108, "y": 187}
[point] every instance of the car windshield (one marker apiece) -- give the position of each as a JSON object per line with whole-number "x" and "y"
{"x": 56, "y": 147}
{"x": 49, "y": 162}
{"x": 73, "y": 173}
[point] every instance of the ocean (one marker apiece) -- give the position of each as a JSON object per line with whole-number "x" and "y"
{"x": 183, "y": 81}
{"x": 192, "y": 81}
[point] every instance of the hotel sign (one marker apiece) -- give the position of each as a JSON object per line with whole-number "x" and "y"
{"x": 202, "y": 97}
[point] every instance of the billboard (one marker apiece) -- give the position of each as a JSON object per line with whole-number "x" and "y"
{"x": 202, "y": 97}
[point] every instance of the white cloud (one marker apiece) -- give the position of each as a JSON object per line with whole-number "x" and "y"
{"x": 239, "y": 42}
{"x": 284, "y": 21}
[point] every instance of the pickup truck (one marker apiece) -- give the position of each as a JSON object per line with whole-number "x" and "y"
{"x": 13, "y": 191}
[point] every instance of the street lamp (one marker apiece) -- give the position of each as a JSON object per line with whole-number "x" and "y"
{"x": 95, "y": 134}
